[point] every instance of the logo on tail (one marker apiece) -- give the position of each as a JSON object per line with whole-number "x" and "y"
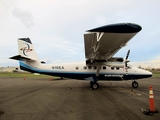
{"x": 26, "y": 49}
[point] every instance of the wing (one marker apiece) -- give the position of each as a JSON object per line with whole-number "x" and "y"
{"x": 104, "y": 42}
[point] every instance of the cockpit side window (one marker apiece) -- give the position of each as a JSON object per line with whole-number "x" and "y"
{"x": 129, "y": 67}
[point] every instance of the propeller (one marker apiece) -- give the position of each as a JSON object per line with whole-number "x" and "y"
{"x": 126, "y": 60}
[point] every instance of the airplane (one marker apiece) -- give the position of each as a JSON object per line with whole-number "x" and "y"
{"x": 100, "y": 45}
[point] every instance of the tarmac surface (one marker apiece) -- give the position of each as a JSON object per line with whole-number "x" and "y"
{"x": 43, "y": 99}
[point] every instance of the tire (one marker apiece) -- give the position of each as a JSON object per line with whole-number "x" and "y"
{"x": 134, "y": 84}
{"x": 95, "y": 86}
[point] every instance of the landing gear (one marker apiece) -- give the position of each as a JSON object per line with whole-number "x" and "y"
{"x": 134, "y": 84}
{"x": 94, "y": 85}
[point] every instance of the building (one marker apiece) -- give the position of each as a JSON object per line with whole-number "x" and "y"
{"x": 10, "y": 69}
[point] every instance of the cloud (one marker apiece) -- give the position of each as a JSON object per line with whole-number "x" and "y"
{"x": 25, "y": 17}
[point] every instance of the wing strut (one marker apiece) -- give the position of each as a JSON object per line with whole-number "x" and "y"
{"x": 98, "y": 70}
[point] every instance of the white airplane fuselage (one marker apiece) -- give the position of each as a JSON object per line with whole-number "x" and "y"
{"x": 83, "y": 71}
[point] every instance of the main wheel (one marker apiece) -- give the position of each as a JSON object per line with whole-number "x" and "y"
{"x": 95, "y": 86}
{"x": 134, "y": 84}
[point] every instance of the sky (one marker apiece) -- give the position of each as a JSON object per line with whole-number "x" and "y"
{"x": 56, "y": 28}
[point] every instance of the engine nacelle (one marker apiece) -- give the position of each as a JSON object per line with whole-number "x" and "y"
{"x": 114, "y": 64}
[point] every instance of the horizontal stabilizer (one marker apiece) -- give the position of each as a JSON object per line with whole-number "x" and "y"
{"x": 21, "y": 58}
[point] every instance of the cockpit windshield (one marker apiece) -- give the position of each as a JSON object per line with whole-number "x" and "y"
{"x": 129, "y": 66}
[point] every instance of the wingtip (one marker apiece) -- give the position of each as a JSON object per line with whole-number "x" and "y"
{"x": 118, "y": 28}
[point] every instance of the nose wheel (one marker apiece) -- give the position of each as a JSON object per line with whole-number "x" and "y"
{"x": 94, "y": 85}
{"x": 134, "y": 84}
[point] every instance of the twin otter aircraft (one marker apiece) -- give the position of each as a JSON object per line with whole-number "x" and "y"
{"x": 101, "y": 44}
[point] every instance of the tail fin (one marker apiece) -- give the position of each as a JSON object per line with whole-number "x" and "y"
{"x": 26, "y": 51}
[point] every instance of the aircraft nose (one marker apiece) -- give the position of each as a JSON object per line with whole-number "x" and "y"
{"x": 149, "y": 74}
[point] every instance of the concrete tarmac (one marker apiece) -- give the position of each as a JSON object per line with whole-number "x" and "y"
{"x": 42, "y": 99}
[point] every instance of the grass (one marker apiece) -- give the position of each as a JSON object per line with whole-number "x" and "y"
{"x": 20, "y": 75}
{"x": 156, "y": 74}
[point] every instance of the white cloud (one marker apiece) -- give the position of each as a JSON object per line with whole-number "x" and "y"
{"x": 25, "y": 17}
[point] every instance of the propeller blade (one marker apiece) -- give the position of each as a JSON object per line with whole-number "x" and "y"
{"x": 125, "y": 64}
{"x": 127, "y": 54}
{"x": 127, "y": 58}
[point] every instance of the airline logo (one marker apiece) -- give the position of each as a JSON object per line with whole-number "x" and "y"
{"x": 113, "y": 75}
{"x": 26, "y": 49}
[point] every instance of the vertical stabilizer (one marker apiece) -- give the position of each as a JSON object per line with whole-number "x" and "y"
{"x": 26, "y": 49}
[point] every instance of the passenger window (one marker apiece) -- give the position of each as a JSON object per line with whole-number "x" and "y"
{"x": 77, "y": 68}
{"x": 85, "y": 67}
{"x": 94, "y": 67}
{"x": 117, "y": 68}
{"x": 89, "y": 67}
{"x": 104, "y": 67}
{"x": 112, "y": 68}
